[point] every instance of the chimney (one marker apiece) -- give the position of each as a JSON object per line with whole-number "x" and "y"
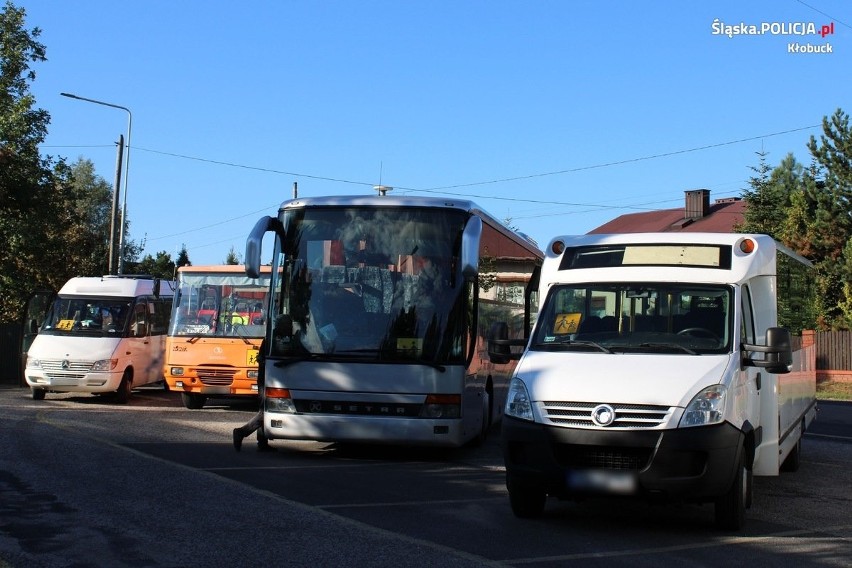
{"x": 697, "y": 203}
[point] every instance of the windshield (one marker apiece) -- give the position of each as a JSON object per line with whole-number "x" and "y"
{"x": 88, "y": 316}
{"x": 217, "y": 305}
{"x": 371, "y": 283}
{"x": 637, "y": 317}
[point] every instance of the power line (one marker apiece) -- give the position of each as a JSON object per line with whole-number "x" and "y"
{"x": 443, "y": 189}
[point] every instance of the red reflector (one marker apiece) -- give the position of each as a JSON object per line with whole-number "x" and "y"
{"x": 747, "y": 245}
{"x": 443, "y": 399}
{"x": 558, "y": 247}
{"x": 272, "y": 392}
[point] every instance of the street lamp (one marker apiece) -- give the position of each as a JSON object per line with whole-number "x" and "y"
{"x": 126, "y": 174}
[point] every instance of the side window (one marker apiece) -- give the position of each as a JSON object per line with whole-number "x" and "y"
{"x": 160, "y": 310}
{"x": 747, "y": 323}
{"x": 139, "y": 323}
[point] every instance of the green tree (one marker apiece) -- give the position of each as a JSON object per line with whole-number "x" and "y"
{"x": 87, "y": 231}
{"x": 183, "y": 257}
{"x": 831, "y": 225}
{"x": 770, "y": 196}
{"x": 233, "y": 257}
{"x": 32, "y": 188}
{"x": 160, "y": 266}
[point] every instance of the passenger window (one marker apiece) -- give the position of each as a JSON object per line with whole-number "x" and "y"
{"x": 139, "y": 326}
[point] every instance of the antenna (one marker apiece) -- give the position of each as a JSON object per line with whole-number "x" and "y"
{"x": 382, "y": 189}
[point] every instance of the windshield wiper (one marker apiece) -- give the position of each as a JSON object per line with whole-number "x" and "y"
{"x": 668, "y": 346}
{"x": 577, "y": 343}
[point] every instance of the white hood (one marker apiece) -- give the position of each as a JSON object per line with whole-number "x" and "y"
{"x": 666, "y": 380}
{"x": 72, "y": 348}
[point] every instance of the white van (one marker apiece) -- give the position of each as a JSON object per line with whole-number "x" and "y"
{"x": 656, "y": 369}
{"x": 101, "y": 335}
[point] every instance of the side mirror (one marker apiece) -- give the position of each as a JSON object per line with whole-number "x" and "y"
{"x": 778, "y": 349}
{"x": 781, "y": 357}
{"x": 500, "y": 346}
{"x": 470, "y": 248}
{"x": 254, "y": 243}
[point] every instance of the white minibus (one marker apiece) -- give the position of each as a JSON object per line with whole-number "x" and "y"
{"x": 101, "y": 335}
{"x": 657, "y": 369}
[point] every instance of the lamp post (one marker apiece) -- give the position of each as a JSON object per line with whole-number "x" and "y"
{"x": 126, "y": 173}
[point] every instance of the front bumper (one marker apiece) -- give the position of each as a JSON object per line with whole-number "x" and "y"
{"x": 685, "y": 464}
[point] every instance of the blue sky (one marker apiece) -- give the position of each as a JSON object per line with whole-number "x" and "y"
{"x": 558, "y": 115}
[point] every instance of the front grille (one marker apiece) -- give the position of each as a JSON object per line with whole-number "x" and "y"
{"x": 595, "y": 457}
{"x": 216, "y": 377}
{"x": 78, "y": 368}
{"x": 628, "y": 416}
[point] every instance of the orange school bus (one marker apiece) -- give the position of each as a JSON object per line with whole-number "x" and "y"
{"x": 218, "y": 320}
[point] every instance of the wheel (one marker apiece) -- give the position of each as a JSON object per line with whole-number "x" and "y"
{"x": 482, "y": 436}
{"x": 730, "y": 507}
{"x": 794, "y": 458}
{"x": 122, "y": 395}
{"x": 527, "y": 502}
{"x": 38, "y": 394}
{"x": 193, "y": 401}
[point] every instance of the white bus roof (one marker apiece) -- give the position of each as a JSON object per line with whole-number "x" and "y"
{"x": 697, "y": 264}
{"x": 118, "y": 286}
{"x": 407, "y": 201}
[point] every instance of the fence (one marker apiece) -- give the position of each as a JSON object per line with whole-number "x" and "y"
{"x": 833, "y": 355}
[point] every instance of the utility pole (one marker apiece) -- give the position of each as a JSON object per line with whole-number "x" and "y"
{"x": 113, "y": 219}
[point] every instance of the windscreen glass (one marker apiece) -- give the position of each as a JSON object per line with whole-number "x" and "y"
{"x": 637, "y": 317}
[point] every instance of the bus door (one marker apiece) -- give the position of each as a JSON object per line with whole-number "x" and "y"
{"x": 35, "y": 310}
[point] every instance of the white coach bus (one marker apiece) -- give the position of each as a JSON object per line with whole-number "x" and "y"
{"x": 378, "y": 311}
{"x": 657, "y": 369}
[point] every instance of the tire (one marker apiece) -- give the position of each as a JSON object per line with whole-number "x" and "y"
{"x": 527, "y": 502}
{"x": 794, "y": 458}
{"x": 482, "y": 436}
{"x": 193, "y": 401}
{"x": 38, "y": 394}
{"x": 731, "y": 507}
{"x": 125, "y": 388}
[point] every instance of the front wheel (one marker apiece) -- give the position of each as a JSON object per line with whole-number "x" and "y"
{"x": 731, "y": 507}
{"x": 193, "y": 401}
{"x": 527, "y": 502}
{"x": 38, "y": 394}
{"x": 122, "y": 395}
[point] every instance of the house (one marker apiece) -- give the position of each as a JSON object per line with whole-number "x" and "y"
{"x": 697, "y": 216}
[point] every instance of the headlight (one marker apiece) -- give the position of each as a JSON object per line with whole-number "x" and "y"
{"x": 105, "y": 365}
{"x": 708, "y": 407}
{"x": 33, "y": 364}
{"x": 518, "y": 403}
{"x": 176, "y": 371}
{"x": 279, "y": 400}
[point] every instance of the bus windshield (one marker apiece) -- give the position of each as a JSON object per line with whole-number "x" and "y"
{"x": 88, "y": 316}
{"x": 636, "y": 317}
{"x": 371, "y": 283}
{"x": 218, "y": 305}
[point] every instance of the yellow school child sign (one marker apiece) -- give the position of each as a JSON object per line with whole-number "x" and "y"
{"x": 566, "y": 323}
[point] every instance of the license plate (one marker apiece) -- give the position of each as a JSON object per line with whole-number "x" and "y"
{"x": 602, "y": 481}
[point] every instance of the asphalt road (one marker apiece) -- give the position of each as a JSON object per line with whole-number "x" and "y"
{"x": 84, "y": 482}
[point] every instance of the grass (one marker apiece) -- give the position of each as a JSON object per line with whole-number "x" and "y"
{"x": 834, "y": 390}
